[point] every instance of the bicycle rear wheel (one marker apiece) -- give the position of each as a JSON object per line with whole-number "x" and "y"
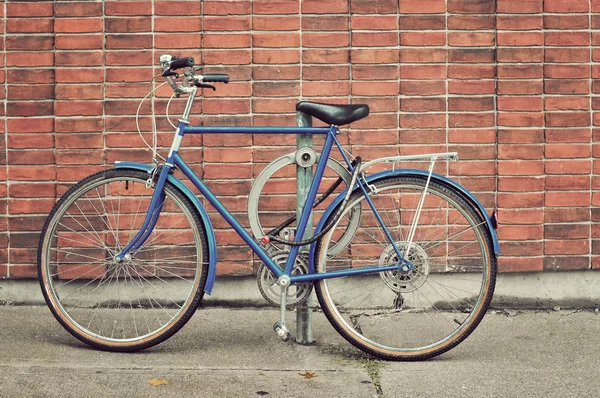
{"x": 400, "y": 316}
{"x": 128, "y": 305}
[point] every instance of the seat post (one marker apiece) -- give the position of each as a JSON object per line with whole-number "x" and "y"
{"x": 303, "y": 182}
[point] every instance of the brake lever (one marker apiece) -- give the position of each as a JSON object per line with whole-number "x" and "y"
{"x": 205, "y": 85}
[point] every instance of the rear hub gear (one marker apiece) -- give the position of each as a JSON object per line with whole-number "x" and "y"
{"x": 403, "y": 282}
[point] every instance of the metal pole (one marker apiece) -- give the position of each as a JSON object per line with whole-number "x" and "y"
{"x": 303, "y": 181}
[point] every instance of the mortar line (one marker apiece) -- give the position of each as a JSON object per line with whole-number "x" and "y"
{"x": 6, "y": 141}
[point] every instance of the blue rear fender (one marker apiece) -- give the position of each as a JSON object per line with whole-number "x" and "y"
{"x": 210, "y": 234}
{"x": 468, "y": 196}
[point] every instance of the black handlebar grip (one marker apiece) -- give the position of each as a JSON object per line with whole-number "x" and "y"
{"x": 182, "y": 63}
{"x": 216, "y": 78}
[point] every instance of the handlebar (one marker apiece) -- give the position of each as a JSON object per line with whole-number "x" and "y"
{"x": 186, "y": 62}
{"x": 171, "y": 63}
{"x": 216, "y": 78}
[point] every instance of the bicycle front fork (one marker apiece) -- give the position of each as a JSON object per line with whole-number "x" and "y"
{"x": 158, "y": 199}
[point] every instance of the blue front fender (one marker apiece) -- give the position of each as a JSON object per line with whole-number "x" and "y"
{"x": 210, "y": 234}
{"x": 409, "y": 172}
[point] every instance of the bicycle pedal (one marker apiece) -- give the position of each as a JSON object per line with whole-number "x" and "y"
{"x": 283, "y": 333}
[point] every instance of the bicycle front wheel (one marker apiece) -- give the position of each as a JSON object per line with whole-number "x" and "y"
{"x": 423, "y": 313}
{"x": 121, "y": 305}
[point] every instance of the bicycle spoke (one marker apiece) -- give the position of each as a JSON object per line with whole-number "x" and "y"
{"x": 126, "y": 304}
{"x": 420, "y": 306}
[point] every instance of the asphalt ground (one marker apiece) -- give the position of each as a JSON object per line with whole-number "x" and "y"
{"x": 233, "y": 352}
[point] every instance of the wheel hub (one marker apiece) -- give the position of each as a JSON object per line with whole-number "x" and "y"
{"x": 402, "y": 282}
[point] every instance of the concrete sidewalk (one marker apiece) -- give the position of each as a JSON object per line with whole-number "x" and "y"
{"x": 226, "y": 352}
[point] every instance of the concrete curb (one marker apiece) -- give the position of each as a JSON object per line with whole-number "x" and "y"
{"x": 570, "y": 289}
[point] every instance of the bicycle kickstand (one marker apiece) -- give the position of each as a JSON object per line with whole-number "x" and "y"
{"x": 279, "y": 326}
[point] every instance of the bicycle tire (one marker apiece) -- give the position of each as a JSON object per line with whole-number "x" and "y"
{"x": 75, "y": 256}
{"x": 424, "y": 313}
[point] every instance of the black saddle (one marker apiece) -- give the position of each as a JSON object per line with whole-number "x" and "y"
{"x": 334, "y": 114}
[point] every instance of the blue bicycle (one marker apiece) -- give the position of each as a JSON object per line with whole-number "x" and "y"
{"x": 403, "y": 261}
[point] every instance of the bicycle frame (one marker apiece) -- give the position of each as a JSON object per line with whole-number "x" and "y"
{"x": 175, "y": 160}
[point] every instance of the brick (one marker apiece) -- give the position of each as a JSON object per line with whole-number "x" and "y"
{"x": 567, "y": 182}
{"x": 520, "y": 22}
{"x": 275, "y": 7}
{"x": 521, "y": 184}
{"x": 76, "y": 25}
{"x": 467, "y": 87}
{"x": 520, "y": 103}
{"x": 325, "y": 23}
{"x": 192, "y": 24}
{"x": 423, "y": 104}
{"x": 520, "y": 39}
{"x": 567, "y": 199}
{"x": 465, "y": 55}
{"x": 169, "y": 7}
{"x": 283, "y": 40}
{"x": 568, "y": 215}
{"x": 374, "y": 56}
{"x": 566, "y": 6}
{"x": 422, "y": 38}
{"x": 230, "y": 41}
{"x": 470, "y": 22}
{"x": 566, "y": 231}
{"x": 279, "y": 57}
{"x": 29, "y": 10}
{"x": 422, "y": 87}
{"x": 571, "y": 119}
{"x": 471, "y": 39}
{"x": 520, "y": 71}
{"x": 566, "y": 86}
{"x": 128, "y": 25}
{"x": 77, "y": 9}
{"x": 87, "y": 58}
{"x": 521, "y": 216}
{"x": 568, "y": 166}
{"x": 275, "y": 23}
{"x": 28, "y": 43}
{"x": 520, "y": 232}
{"x": 375, "y": 22}
{"x": 324, "y": 6}
{"x": 25, "y": 59}
{"x": 421, "y": 55}
{"x": 471, "y": 6}
{"x": 426, "y": 6}
{"x": 291, "y": 72}
{"x": 566, "y": 103}
{"x": 418, "y": 22}
{"x": 525, "y": 248}
{"x": 519, "y": 119}
{"x": 566, "y": 39}
{"x": 127, "y": 8}
{"x": 524, "y": 6}
{"x": 566, "y": 22}
{"x": 520, "y": 264}
{"x": 566, "y": 263}
{"x": 78, "y": 42}
{"x": 374, "y": 6}
{"x": 567, "y": 55}
{"x": 325, "y": 72}
{"x": 37, "y": 25}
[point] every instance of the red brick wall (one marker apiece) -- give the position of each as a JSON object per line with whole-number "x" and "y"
{"x": 73, "y": 74}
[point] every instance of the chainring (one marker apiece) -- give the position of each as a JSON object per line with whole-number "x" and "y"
{"x": 267, "y": 282}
